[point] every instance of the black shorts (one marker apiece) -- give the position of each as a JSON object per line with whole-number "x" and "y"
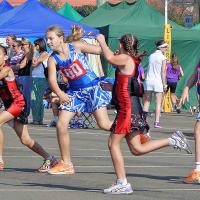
{"x": 172, "y": 87}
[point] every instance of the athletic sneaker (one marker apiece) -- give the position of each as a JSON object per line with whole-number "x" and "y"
{"x": 181, "y": 142}
{"x": 119, "y": 189}
{"x": 62, "y": 168}
{"x": 157, "y": 125}
{"x": 48, "y": 164}
{"x": 194, "y": 177}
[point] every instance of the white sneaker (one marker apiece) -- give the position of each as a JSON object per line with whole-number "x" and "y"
{"x": 181, "y": 142}
{"x": 119, "y": 189}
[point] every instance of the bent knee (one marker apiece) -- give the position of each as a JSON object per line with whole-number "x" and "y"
{"x": 27, "y": 141}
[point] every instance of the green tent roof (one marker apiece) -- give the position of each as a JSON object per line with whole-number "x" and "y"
{"x": 67, "y": 11}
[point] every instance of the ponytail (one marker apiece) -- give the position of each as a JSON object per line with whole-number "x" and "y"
{"x": 77, "y": 34}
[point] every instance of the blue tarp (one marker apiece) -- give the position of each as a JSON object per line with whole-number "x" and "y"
{"x": 33, "y": 18}
{"x": 5, "y": 6}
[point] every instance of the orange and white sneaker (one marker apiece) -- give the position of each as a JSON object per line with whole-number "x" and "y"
{"x": 194, "y": 177}
{"x": 62, "y": 168}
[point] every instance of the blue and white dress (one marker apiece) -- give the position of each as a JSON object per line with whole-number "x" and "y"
{"x": 84, "y": 89}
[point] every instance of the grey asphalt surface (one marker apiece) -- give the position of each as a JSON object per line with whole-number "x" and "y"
{"x": 154, "y": 176}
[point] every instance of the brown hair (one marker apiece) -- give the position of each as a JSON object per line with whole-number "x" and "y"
{"x": 12, "y": 36}
{"x": 77, "y": 34}
{"x": 174, "y": 62}
{"x": 130, "y": 44}
{"x": 29, "y": 55}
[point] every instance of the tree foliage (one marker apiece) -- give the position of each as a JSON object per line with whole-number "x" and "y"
{"x": 53, "y": 5}
{"x": 85, "y": 10}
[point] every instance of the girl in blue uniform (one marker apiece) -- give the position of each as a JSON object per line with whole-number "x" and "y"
{"x": 84, "y": 93}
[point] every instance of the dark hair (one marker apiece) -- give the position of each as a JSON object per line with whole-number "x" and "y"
{"x": 12, "y": 36}
{"x": 130, "y": 44}
{"x": 3, "y": 49}
{"x": 41, "y": 43}
{"x": 18, "y": 42}
{"x": 174, "y": 64}
{"x": 159, "y": 42}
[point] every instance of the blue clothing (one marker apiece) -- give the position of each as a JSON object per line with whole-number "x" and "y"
{"x": 198, "y": 79}
{"x": 84, "y": 89}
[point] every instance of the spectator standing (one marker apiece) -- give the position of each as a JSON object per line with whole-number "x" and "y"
{"x": 39, "y": 80}
{"x": 16, "y": 59}
{"x": 24, "y": 73}
{"x": 156, "y": 80}
{"x": 10, "y": 42}
{"x": 174, "y": 73}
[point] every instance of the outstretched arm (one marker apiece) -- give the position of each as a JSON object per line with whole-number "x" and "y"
{"x": 111, "y": 57}
{"x": 191, "y": 82}
{"x": 85, "y": 47}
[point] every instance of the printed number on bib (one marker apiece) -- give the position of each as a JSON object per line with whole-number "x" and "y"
{"x": 73, "y": 71}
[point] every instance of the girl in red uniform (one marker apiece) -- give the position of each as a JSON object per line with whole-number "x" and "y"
{"x": 130, "y": 121}
{"x": 14, "y": 105}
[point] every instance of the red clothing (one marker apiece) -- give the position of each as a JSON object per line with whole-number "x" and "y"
{"x": 11, "y": 96}
{"x": 130, "y": 116}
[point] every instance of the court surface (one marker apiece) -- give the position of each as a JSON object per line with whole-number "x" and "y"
{"x": 154, "y": 176}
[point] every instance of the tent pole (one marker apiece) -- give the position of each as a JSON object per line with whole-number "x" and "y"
{"x": 166, "y": 10}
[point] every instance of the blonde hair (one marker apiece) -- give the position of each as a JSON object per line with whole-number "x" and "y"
{"x": 57, "y": 30}
{"x": 77, "y": 34}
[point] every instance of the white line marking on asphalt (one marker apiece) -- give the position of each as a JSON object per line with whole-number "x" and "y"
{"x": 86, "y": 156}
{"x": 79, "y": 131}
{"x": 98, "y": 190}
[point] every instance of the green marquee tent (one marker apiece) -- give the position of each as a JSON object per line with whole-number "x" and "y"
{"x": 196, "y": 27}
{"x": 68, "y": 11}
{"x": 147, "y": 24}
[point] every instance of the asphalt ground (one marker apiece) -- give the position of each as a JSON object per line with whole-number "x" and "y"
{"x": 154, "y": 176}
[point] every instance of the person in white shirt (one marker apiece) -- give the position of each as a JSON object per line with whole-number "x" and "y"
{"x": 156, "y": 80}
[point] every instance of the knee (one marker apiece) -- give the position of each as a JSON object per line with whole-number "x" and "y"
{"x": 27, "y": 141}
{"x": 137, "y": 150}
{"x": 105, "y": 125}
{"x": 62, "y": 127}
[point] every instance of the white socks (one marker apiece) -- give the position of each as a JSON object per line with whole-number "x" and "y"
{"x": 122, "y": 181}
{"x": 172, "y": 142}
{"x": 197, "y": 166}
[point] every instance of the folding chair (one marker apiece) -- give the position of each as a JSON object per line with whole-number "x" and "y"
{"x": 86, "y": 120}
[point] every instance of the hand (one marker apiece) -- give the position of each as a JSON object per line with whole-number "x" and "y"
{"x": 64, "y": 98}
{"x": 184, "y": 96}
{"x": 106, "y": 86}
{"x": 165, "y": 88}
{"x": 100, "y": 38}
